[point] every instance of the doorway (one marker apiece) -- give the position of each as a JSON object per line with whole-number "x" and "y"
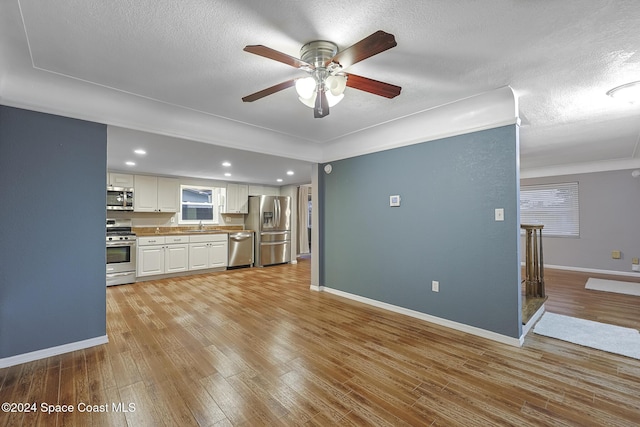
{"x": 305, "y": 204}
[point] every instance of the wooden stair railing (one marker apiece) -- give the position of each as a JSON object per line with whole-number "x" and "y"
{"x": 534, "y": 263}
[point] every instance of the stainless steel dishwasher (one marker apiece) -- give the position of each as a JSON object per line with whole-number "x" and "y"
{"x": 240, "y": 248}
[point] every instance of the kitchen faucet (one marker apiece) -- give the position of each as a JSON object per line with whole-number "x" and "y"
{"x": 200, "y": 226}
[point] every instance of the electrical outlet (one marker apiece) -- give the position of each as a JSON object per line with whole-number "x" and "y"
{"x": 635, "y": 261}
{"x": 435, "y": 286}
{"x": 616, "y": 254}
{"x": 499, "y": 214}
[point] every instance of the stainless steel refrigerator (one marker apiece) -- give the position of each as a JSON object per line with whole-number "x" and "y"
{"x": 270, "y": 218}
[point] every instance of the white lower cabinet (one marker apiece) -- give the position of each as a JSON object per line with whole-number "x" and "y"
{"x": 150, "y": 260}
{"x": 162, "y": 255}
{"x": 176, "y": 258}
{"x": 174, "y": 254}
{"x": 208, "y": 251}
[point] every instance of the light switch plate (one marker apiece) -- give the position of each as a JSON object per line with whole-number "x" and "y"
{"x": 394, "y": 200}
{"x": 499, "y": 214}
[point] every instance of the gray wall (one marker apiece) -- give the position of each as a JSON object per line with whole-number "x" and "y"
{"x": 52, "y": 278}
{"x": 444, "y": 230}
{"x": 609, "y": 220}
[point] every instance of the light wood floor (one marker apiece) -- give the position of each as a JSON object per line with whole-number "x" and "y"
{"x": 257, "y": 347}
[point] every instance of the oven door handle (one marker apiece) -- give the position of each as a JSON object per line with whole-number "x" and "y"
{"x": 126, "y": 273}
{"x": 121, "y": 243}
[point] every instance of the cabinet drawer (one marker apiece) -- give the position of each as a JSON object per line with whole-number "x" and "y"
{"x": 200, "y": 238}
{"x": 176, "y": 239}
{"x": 146, "y": 241}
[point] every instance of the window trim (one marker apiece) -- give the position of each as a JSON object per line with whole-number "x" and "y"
{"x": 215, "y": 204}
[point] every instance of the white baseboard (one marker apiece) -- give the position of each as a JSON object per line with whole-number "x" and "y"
{"x": 591, "y": 270}
{"x": 526, "y": 328}
{"x": 516, "y": 342}
{"x": 316, "y": 288}
{"x": 52, "y": 351}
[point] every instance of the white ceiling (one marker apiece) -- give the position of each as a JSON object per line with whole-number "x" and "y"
{"x": 177, "y": 69}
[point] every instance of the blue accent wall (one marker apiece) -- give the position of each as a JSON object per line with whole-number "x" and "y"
{"x": 444, "y": 229}
{"x": 52, "y": 225}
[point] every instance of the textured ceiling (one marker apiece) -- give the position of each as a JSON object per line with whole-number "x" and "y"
{"x": 186, "y": 58}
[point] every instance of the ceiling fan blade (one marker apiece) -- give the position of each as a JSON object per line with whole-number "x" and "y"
{"x": 373, "y": 86}
{"x": 269, "y": 91}
{"x": 322, "y": 105}
{"x": 267, "y": 52}
{"x": 365, "y": 48}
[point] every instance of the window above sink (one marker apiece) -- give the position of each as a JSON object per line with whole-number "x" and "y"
{"x": 200, "y": 204}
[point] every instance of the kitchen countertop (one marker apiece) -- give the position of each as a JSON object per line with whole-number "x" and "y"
{"x": 172, "y": 231}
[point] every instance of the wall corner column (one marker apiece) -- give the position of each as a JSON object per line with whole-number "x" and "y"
{"x": 315, "y": 227}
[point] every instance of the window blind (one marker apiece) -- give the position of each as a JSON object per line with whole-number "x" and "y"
{"x": 556, "y": 206}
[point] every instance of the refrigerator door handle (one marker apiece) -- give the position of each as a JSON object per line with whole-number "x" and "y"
{"x": 276, "y": 204}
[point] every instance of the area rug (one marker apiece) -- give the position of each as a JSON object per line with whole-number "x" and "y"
{"x": 627, "y": 288}
{"x": 610, "y": 338}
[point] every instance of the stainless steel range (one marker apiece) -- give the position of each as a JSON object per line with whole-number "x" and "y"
{"x": 121, "y": 252}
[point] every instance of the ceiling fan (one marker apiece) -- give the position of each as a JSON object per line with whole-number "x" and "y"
{"x": 326, "y": 82}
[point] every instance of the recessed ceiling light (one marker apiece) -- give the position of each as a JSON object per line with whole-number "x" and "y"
{"x": 279, "y": 179}
{"x": 289, "y": 172}
{"x": 130, "y": 163}
{"x": 226, "y": 164}
{"x": 140, "y": 151}
{"x": 227, "y": 174}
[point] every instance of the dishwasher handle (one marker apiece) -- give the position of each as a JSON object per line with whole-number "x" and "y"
{"x": 240, "y": 236}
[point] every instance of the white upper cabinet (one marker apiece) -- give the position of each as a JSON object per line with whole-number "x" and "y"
{"x": 263, "y": 190}
{"x": 168, "y": 195}
{"x": 145, "y": 194}
{"x": 119, "y": 180}
{"x": 237, "y": 199}
{"x": 156, "y": 194}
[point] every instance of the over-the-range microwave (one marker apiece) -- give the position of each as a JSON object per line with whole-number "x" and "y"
{"x": 119, "y": 199}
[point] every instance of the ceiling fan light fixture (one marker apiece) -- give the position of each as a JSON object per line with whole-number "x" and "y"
{"x": 309, "y": 102}
{"x": 336, "y": 84}
{"x": 306, "y": 87}
{"x": 629, "y": 92}
{"x": 332, "y": 99}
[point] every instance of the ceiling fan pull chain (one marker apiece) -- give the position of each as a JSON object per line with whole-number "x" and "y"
{"x": 322, "y": 106}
